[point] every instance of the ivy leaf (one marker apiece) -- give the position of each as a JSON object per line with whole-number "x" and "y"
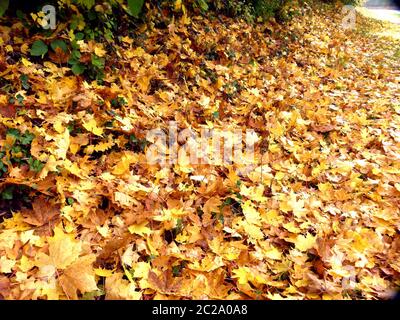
{"x": 35, "y": 165}
{"x": 135, "y": 7}
{"x": 7, "y": 193}
{"x": 39, "y": 48}
{"x": 27, "y": 138}
{"x": 15, "y": 133}
{"x": 59, "y": 44}
{"x": 202, "y": 4}
{"x": 97, "y": 61}
{"x": 24, "y": 81}
{"x": 78, "y": 68}
{"x": 3, "y": 6}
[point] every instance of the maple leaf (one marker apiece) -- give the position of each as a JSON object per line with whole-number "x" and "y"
{"x": 123, "y": 165}
{"x": 251, "y": 214}
{"x": 118, "y": 288}
{"x": 43, "y": 211}
{"x": 212, "y": 205}
{"x": 163, "y": 283}
{"x": 59, "y": 56}
{"x": 304, "y": 243}
{"x": 139, "y": 229}
{"x": 79, "y": 277}
{"x": 5, "y": 287}
{"x": 6, "y": 265}
{"x": 63, "y": 250}
{"x": 242, "y": 274}
{"x": 91, "y": 125}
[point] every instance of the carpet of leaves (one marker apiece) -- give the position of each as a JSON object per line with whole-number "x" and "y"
{"x": 316, "y": 217}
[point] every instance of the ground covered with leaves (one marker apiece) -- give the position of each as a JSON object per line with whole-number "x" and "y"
{"x": 85, "y": 216}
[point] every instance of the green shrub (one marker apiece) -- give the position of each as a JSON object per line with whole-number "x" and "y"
{"x": 250, "y": 9}
{"x": 267, "y": 8}
{"x": 354, "y": 2}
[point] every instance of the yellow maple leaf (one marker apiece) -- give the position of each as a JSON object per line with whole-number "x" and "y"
{"x": 124, "y": 199}
{"x": 207, "y": 264}
{"x": 170, "y": 214}
{"x": 91, "y": 125}
{"x": 118, "y": 288}
{"x": 62, "y": 145}
{"x": 253, "y": 231}
{"x": 272, "y": 253}
{"x": 141, "y": 269}
{"x": 122, "y": 166}
{"x": 26, "y": 62}
{"x": 304, "y": 243}
{"x": 324, "y": 187}
{"x": 58, "y": 126}
{"x": 294, "y": 205}
{"x": 184, "y": 161}
{"x": 291, "y": 227}
{"x": 139, "y": 229}
{"x": 63, "y": 249}
{"x": 243, "y": 274}
{"x": 212, "y": 205}
{"x": 178, "y": 5}
{"x": 103, "y": 272}
{"x": 99, "y": 50}
{"x": 254, "y": 193}
{"x": 251, "y": 214}
{"x": 102, "y": 146}
{"x": 6, "y": 264}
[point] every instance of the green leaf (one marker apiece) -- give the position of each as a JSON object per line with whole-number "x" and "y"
{"x": 86, "y": 3}
{"x": 7, "y": 193}
{"x": 92, "y": 295}
{"x": 79, "y": 36}
{"x": 78, "y": 68}
{"x": 59, "y": 44}
{"x": 20, "y": 98}
{"x": 202, "y": 4}
{"x": 98, "y": 62}
{"x": 35, "y": 165}
{"x": 74, "y": 58}
{"x": 15, "y": 133}
{"x": 135, "y": 7}
{"x": 24, "y": 81}
{"x": 176, "y": 270}
{"x": 3, "y": 6}
{"x": 27, "y": 138}
{"x": 39, "y": 48}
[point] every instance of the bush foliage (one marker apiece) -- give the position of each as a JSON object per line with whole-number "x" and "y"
{"x": 238, "y": 8}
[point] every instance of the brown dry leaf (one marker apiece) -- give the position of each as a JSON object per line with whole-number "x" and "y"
{"x": 5, "y": 287}
{"x": 8, "y": 110}
{"x": 164, "y": 284}
{"x": 43, "y": 211}
{"x": 323, "y": 128}
{"x": 59, "y": 56}
{"x": 79, "y": 277}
